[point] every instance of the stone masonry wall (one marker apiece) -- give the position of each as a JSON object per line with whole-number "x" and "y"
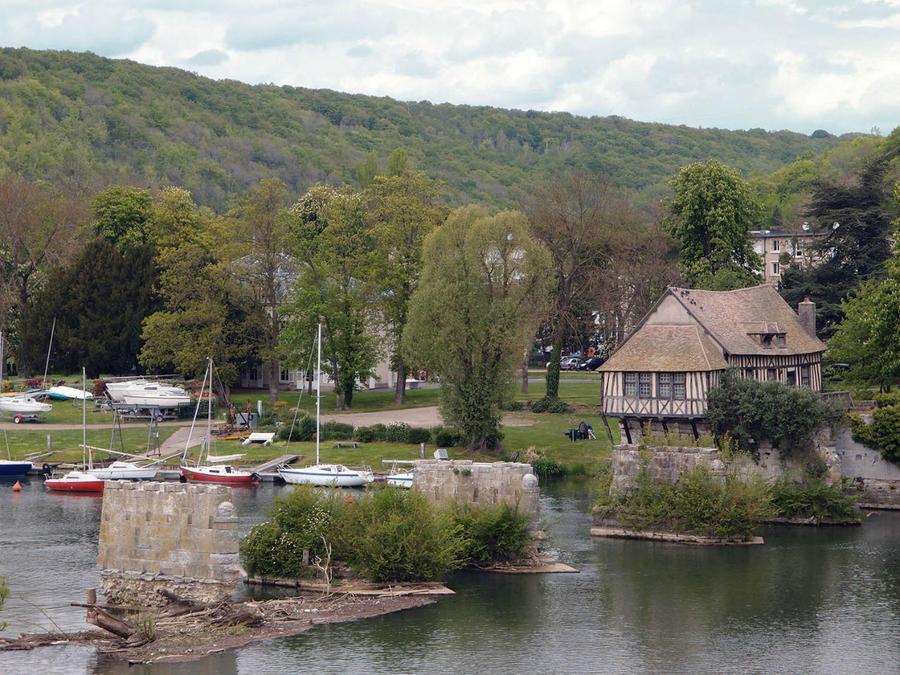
{"x": 663, "y": 463}
{"x": 481, "y": 483}
{"x": 877, "y": 480}
{"x": 176, "y": 536}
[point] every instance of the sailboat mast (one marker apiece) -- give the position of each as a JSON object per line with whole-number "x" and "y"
{"x": 84, "y": 449}
{"x": 318, "y": 387}
{"x": 209, "y": 410}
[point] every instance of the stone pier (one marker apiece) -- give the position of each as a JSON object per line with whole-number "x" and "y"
{"x": 481, "y": 484}
{"x": 174, "y": 536}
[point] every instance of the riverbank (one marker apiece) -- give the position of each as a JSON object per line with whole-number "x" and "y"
{"x": 170, "y": 636}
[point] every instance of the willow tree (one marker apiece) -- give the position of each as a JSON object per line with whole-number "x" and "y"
{"x": 480, "y": 298}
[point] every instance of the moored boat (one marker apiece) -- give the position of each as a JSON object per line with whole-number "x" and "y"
{"x": 330, "y": 475}
{"x": 122, "y": 470}
{"x": 214, "y": 470}
{"x": 327, "y": 475}
{"x": 401, "y": 479}
{"x": 12, "y": 468}
{"x": 75, "y": 481}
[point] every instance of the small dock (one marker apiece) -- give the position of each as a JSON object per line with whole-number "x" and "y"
{"x": 268, "y": 467}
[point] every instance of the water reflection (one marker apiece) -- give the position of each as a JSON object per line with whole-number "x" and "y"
{"x": 810, "y": 600}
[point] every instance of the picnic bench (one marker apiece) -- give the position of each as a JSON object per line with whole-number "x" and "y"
{"x": 259, "y": 437}
{"x": 347, "y": 444}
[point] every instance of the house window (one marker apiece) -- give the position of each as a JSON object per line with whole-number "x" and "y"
{"x": 775, "y": 268}
{"x": 792, "y": 378}
{"x": 771, "y": 374}
{"x": 798, "y": 249}
{"x": 679, "y": 386}
{"x": 775, "y": 245}
{"x": 804, "y": 376}
{"x": 631, "y": 384}
{"x": 664, "y": 385}
{"x": 645, "y": 385}
{"x": 285, "y": 375}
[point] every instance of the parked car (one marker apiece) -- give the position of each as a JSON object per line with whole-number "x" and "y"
{"x": 592, "y": 363}
{"x": 569, "y": 363}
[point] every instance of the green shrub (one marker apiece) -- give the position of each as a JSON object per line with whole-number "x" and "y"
{"x": 547, "y": 469}
{"x": 549, "y": 405}
{"x": 446, "y": 437}
{"x": 337, "y": 431}
{"x": 885, "y": 399}
{"x": 397, "y": 535}
{"x": 297, "y": 522}
{"x": 417, "y": 435}
{"x": 883, "y": 434}
{"x": 269, "y": 551}
{"x": 303, "y": 431}
{"x": 396, "y": 432}
{"x": 812, "y": 496}
{"x": 492, "y": 534}
{"x": 364, "y": 434}
{"x": 752, "y": 412}
{"x": 699, "y": 503}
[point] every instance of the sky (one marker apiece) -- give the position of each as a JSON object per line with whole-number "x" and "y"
{"x": 800, "y": 65}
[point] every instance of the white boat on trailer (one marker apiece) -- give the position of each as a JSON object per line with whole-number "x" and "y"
{"x": 325, "y": 475}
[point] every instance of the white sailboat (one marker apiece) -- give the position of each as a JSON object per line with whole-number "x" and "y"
{"x": 84, "y": 480}
{"x": 333, "y": 475}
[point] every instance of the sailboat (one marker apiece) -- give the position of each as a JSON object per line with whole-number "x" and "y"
{"x": 334, "y": 475}
{"x": 214, "y": 470}
{"x": 79, "y": 481}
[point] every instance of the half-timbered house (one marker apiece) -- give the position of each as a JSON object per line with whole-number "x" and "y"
{"x": 662, "y": 372}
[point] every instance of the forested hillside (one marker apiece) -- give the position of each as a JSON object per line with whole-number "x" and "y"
{"x": 86, "y": 121}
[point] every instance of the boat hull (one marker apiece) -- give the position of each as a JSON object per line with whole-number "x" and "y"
{"x": 400, "y": 480}
{"x": 75, "y": 481}
{"x": 326, "y": 477}
{"x": 219, "y": 474}
{"x": 11, "y": 468}
{"x": 132, "y": 472}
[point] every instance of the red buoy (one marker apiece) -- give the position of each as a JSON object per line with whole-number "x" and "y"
{"x": 17, "y": 487}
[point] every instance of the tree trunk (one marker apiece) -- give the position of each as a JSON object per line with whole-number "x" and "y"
{"x": 400, "y": 385}
{"x": 553, "y": 369}
{"x": 525, "y": 373}
{"x": 274, "y": 377}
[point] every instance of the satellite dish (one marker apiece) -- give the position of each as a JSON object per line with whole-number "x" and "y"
{"x": 806, "y": 227}
{"x": 836, "y": 225}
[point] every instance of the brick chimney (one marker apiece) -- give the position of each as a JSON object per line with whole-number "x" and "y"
{"x": 806, "y": 310}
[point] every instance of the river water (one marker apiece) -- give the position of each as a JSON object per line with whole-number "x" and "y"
{"x": 812, "y": 600}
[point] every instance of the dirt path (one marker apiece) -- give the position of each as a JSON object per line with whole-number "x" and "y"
{"x": 414, "y": 417}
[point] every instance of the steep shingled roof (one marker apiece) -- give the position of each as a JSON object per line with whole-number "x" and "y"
{"x": 668, "y": 348}
{"x": 734, "y": 316}
{"x": 732, "y": 321}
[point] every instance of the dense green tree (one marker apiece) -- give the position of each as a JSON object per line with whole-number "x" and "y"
{"x": 258, "y": 242}
{"x": 402, "y": 209}
{"x": 367, "y": 169}
{"x": 330, "y": 238}
{"x": 483, "y": 291}
{"x": 712, "y": 212}
{"x": 868, "y": 337}
{"x": 205, "y": 310}
{"x": 99, "y": 301}
{"x": 857, "y": 218}
{"x": 122, "y": 215}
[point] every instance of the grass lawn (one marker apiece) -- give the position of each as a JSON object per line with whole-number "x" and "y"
{"x": 545, "y": 435}
{"x": 65, "y": 443}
